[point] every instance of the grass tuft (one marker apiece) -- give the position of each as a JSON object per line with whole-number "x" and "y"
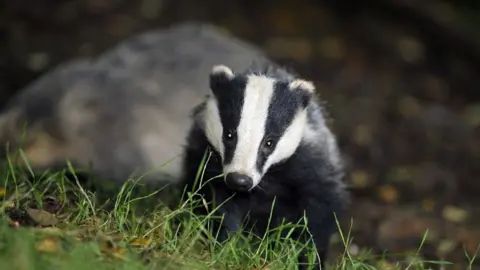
{"x": 131, "y": 228}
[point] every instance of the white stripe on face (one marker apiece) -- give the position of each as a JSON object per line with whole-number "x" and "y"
{"x": 251, "y": 129}
{"x": 213, "y": 126}
{"x": 288, "y": 143}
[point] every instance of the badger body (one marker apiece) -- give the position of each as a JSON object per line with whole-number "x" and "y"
{"x": 126, "y": 112}
{"x": 268, "y": 141}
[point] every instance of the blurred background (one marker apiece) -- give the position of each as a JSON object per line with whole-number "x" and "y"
{"x": 400, "y": 79}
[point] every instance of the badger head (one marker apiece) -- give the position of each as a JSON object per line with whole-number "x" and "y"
{"x": 254, "y": 122}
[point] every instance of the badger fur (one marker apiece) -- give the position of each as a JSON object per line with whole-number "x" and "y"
{"x": 126, "y": 113}
{"x": 267, "y": 136}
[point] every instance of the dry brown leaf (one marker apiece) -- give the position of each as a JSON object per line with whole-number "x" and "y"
{"x": 41, "y": 217}
{"x": 48, "y": 245}
{"x": 388, "y": 193}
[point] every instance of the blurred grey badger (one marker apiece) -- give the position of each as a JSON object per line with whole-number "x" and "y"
{"x": 127, "y": 112}
{"x": 267, "y": 135}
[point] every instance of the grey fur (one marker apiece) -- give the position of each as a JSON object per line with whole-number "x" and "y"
{"x": 128, "y": 110}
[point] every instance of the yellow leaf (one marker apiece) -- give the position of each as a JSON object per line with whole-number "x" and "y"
{"x": 360, "y": 179}
{"x": 388, "y": 193}
{"x": 116, "y": 252}
{"x": 142, "y": 242}
{"x": 48, "y": 245}
{"x": 2, "y": 192}
{"x": 454, "y": 214}
{"x": 109, "y": 249}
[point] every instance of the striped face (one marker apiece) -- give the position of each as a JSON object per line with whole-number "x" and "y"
{"x": 254, "y": 122}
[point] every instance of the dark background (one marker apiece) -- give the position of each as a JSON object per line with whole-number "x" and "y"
{"x": 400, "y": 78}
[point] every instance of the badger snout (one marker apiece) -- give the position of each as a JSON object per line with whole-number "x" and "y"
{"x": 238, "y": 181}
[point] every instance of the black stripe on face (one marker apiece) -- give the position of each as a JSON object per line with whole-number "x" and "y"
{"x": 230, "y": 103}
{"x": 282, "y": 109}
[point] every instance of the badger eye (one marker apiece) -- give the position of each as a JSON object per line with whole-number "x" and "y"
{"x": 229, "y": 136}
{"x": 269, "y": 143}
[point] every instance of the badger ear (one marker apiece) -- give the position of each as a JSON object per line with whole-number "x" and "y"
{"x": 305, "y": 88}
{"x": 220, "y": 76}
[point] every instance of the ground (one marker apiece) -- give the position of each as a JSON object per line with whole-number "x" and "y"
{"x": 402, "y": 95}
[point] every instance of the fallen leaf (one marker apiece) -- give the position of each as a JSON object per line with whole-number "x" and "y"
{"x": 360, "y": 179}
{"x": 445, "y": 246}
{"x": 454, "y": 214}
{"x": 109, "y": 248}
{"x": 388, "y": 193}
{"x": 140, "y": 242}
{"x": 48, "y": 245}
{"x": 41, "y": 217}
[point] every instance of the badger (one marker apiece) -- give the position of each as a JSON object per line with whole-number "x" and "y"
{"x": 266, "y": 133}
{"x": 124, "y": 113}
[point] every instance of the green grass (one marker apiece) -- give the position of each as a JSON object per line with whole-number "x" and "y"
{"x": 128, "y": 227}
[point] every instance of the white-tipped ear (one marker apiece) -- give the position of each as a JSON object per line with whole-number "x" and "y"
{"x": 303, "y": 85}
{"x": 223, "y": 71}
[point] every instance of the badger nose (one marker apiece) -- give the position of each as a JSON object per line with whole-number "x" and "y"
{"x": 238, "y": 182}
